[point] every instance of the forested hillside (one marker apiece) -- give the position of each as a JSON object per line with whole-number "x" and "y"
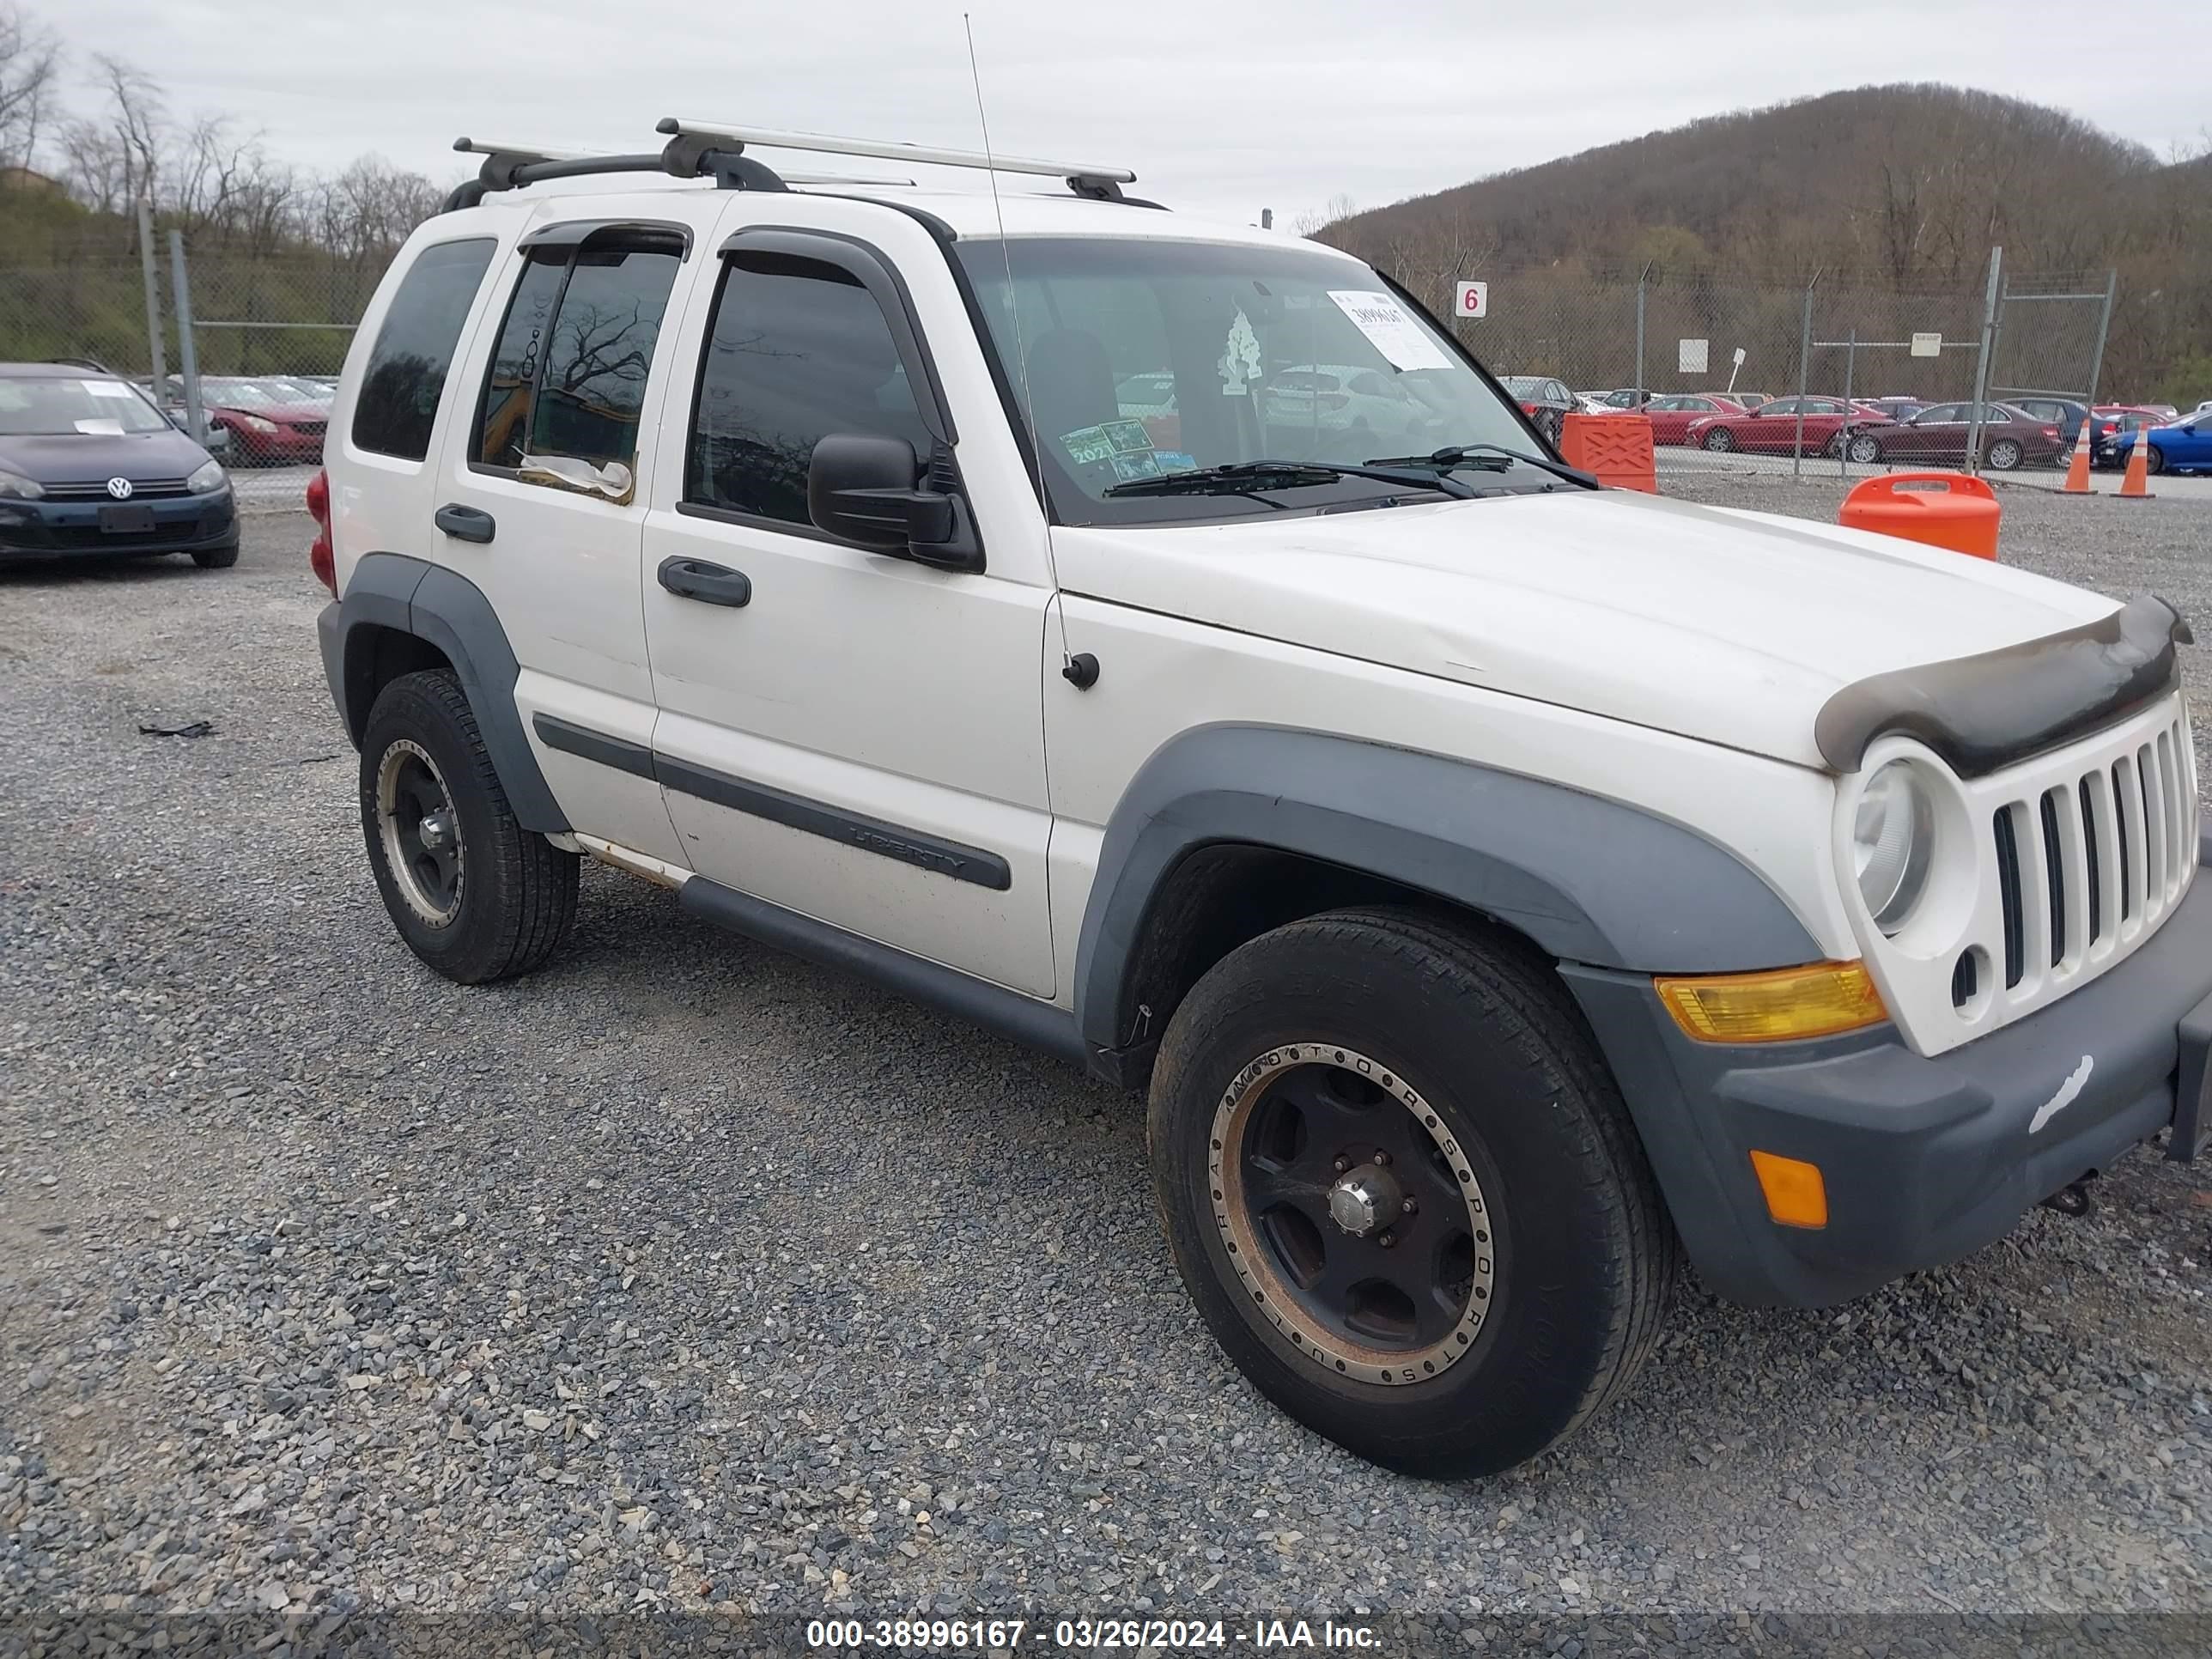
{"x": 1902, "y": 187}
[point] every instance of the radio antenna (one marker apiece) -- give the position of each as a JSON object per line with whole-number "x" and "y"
{"x": 1021, "y": 354}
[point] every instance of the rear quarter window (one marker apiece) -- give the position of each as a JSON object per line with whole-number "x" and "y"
{"x": 397, "y": 404}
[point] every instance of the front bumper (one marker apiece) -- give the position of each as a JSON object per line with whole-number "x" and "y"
{"x": 1925, "y": 1160}
{"x": 181, "y": 524}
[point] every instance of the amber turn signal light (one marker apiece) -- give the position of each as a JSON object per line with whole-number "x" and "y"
{"x": 1796, "y": 1196}
{"x": 1779, "y": 1006}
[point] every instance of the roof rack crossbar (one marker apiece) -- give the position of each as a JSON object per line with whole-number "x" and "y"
{"x": 1082, "y": 177}
{"x": 511, "y": 166}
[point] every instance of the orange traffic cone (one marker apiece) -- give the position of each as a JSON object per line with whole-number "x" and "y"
{"x": 2137, "y": 485}
{"x": 2077, "y": 470}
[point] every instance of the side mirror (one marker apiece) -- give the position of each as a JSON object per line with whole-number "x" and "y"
{"x": 866, "y": 488}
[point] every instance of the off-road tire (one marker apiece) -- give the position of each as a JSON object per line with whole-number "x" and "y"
{"x": 517, "y": 894}
{"x": 1586, "y": 1257}
{"x": 215, "y": 558}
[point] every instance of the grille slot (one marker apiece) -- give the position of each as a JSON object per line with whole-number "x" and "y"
{"x": 2016, "y": 929}
{"x": 2054, "y": 872}
{"x": 95, "y": 489}
{"x": 2093, "y": 857}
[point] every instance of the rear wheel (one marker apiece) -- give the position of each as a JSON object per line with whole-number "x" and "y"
{"x": 473, "y": 893}
{"x": 2004, "y": 455}
{"x": 1719, "y": 439}
{"x": 1401, "y": 1187}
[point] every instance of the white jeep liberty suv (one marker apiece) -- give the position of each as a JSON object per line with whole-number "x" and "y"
{"x": 1502, "y": 886}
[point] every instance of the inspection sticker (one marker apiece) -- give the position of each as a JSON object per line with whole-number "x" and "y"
{"x": 107, "y": 389}
{"x": 1087, "y": 445}
{"x": 1389, "y": 330}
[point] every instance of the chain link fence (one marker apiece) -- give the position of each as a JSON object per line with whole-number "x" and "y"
{"x": 1667, "y": 335}
{"x": 229, "y": 318}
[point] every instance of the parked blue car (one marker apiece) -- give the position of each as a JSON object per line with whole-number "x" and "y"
{"x": 88, "y": 465}
{"x": 2183, "y": 446}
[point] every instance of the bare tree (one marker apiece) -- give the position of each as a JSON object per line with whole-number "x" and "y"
{"x": 30, "y": 68}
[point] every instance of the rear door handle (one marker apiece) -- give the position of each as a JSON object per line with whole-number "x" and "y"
{"x": 465, "y": 524}
{"x": 709, "y": 584}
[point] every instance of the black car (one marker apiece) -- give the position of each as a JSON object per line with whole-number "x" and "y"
{"x": 2067, "y": 414}
{"x": 88, "y": 465}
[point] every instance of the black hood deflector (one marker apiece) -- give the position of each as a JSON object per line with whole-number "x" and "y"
{"x": 1984, "y": 713}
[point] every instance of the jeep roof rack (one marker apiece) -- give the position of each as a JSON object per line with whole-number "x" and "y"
{"x": 698, "y": 149}
{"x": 1085, "y": 179}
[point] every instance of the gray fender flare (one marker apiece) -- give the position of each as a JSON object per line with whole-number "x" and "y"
{"x": 411, "y": 596}
{"x": 1590, "y": 880}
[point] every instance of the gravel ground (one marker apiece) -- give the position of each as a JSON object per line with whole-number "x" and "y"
{"x": 686, "y": 1276}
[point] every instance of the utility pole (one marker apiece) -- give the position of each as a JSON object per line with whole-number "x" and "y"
{"x": 159, "y": 358}
{"x": 1989, "y": 306}
{"x": 187, "y": 356}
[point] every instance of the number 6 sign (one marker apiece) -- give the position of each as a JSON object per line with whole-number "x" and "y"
{"x": 1471, "y": 299}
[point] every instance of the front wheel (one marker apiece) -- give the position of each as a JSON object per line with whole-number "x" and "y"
{"x": 1402, "y": 1189}
{"x": 473, "y": 893}
{"x": 215, "y": 558}
{"x": 1719, "y": 440}
{"x": 2154, "y": 458}
{"x": 1864, "y": 449}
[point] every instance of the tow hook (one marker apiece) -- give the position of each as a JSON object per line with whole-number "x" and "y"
{"x": 2073, "y": 1198}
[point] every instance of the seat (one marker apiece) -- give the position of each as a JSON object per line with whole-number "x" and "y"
{"x": 1071, "y": 384}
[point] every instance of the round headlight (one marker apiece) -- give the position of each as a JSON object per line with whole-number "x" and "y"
{"x": 1892, "y": 837}
{"x": 207, "y": 476}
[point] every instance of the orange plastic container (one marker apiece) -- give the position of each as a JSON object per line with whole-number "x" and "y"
{"x": 1616, "y": 448}
{"x": 1943, "y": 509}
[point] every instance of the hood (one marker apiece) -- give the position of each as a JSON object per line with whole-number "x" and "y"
{"x": 1728, "y": 626}
{"x": 85, "y": 457}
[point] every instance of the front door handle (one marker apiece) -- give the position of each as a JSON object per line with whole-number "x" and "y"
{"x": 465, "y": 524}
{"x": 709, "y": 584}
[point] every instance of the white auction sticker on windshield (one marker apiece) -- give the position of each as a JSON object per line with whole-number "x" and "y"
{"x": 101, "y": 429}
{"x": 107, "y": 389}
{"x": 1389, "y": 329}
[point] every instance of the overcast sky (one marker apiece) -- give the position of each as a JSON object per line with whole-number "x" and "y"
{"x": 1225, "y": 106}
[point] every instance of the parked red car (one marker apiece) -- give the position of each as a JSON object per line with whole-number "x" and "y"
{"x": 1672, "y": 413}
{"x": 2009, "y": 438}
{"x": 1772, "y": 428}
{"x": 268, "y": 422}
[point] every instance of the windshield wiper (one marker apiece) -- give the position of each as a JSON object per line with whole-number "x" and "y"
{"x": 1240, "y": 478}
{"x": 1492, "y": 457}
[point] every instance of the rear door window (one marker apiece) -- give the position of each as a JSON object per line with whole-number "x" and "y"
{"x": 397, "y": 406}
{"x": 567, "y": 377}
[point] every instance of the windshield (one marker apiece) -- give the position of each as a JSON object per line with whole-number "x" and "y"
{"x": 96, "y": 408}
{"x": 1148, "y": 358}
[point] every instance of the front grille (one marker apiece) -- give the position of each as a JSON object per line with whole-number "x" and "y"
{"x": 2076, "y": 857}
{"x": 95, "y": 489}
{"x": 2132, "y": 818}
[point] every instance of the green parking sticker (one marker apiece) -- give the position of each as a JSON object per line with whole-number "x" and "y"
{"x": 1088, "y": 446}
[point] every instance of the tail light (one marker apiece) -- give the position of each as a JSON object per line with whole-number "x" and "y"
{"x": 1528, "y": 409}
{"x": 322, "y": 558}
{"x": 2051, "y": 432}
